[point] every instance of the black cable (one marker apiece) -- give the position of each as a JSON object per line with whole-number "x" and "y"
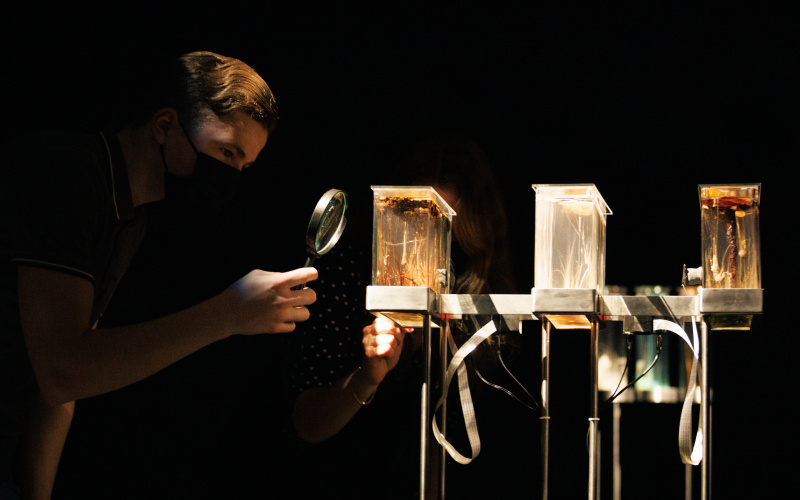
{"x": 615, "y": 396}
{"x": 617, "y": 393}
{"x": 503, "y": 364}
{"x": 621, "y": 378}
{"x": 503, "y": 389}
{"x": 614, "y": 393}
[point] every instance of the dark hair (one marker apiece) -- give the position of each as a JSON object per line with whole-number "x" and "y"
{"x": 204, "y": 84}
{"x": 480, "y": 234}
{"x": 480, "y": 226}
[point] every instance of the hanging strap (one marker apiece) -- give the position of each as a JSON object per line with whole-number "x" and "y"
{"x": 457, "y": 366}
{"x": 689, "y": 455}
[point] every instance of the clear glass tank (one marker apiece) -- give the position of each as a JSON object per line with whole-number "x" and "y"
{"x": 570, "y": 236}
{"x": 570, "y": 246}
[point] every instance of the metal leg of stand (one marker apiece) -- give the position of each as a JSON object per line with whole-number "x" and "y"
{"x": 617, "y": 462}
{"x": 593, "y": 415}
{"x": 425, "y": 410}
{"x": 443, "y": 360}
{"x": 545, "y": 417}
{"x": 705, "y": 410}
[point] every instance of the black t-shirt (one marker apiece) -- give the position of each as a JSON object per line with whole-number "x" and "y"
{"x": 66, "y": 206}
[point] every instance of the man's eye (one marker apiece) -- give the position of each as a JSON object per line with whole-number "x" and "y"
{"x": 227, "y": 153}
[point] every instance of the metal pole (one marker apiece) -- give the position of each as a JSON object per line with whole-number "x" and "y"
{"x": 705, "y": 410}
{"x": 545, "y": 415}
{"x": 425, "y": 406}
{"x": 444, "y": 333}
{"x": 593, "y": 413}
{"x": 617, "y": 462}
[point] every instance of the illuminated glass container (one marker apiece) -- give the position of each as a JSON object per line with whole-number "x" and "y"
{"x": 412, "y": 227}
{"x": 570, "y": 244}
{"x": 730, "y": 242}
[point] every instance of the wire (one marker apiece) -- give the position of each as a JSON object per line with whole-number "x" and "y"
{"x": 503, "y": 389}
{"x": 621, "y": 378}
{"x": 616, "y": 394}
{"x": 503, "y": 364}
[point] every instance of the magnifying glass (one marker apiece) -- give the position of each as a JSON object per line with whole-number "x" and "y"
{"x": 326, "y": 225}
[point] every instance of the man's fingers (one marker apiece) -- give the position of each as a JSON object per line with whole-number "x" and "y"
{"x": 299, "y": 276}
{"x": 292, "y": 313}
{"x": 302, "y": 297}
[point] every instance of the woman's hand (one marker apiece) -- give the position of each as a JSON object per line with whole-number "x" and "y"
{"x": 383, "y": 344}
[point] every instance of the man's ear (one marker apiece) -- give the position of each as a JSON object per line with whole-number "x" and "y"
{"x": 161, "y": 122}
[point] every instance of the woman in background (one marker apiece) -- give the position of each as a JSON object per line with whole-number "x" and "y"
{"x": 381, "y": 429}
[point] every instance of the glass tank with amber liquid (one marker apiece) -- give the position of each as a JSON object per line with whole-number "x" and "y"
{"x": 412, "y": 228}
{"x": 730, "y": 242}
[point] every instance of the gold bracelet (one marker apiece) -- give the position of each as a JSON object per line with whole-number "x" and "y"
{"x": 369, "y": 399}
{"x": 371, "y": 396}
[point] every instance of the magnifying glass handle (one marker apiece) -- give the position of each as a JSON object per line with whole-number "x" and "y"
{"x": 309, "y": 262}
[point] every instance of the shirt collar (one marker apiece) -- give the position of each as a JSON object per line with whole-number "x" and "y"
{"x": 123, "y": 201}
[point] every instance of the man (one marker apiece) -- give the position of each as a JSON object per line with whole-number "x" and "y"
{"x": 72, "y": 217}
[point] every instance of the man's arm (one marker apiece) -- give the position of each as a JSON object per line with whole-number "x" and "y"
{"x": 72, "y": 361}
{"x": 41, "y": 448}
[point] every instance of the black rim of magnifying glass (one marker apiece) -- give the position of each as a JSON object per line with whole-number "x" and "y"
{"x": 317, "y": 218}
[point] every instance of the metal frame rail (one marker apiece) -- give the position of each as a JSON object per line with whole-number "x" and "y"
{"x": 421, "y": 307}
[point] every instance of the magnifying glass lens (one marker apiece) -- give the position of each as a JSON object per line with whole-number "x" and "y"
{"x": 326, "y": 225}
{"x": 331, "y": 224}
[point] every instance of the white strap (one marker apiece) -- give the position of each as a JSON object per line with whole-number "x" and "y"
{"x": 689, "y": 455}
{"x": 457, "y": 366}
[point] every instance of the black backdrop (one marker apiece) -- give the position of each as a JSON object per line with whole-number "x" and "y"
{"x": 645, "y": 101}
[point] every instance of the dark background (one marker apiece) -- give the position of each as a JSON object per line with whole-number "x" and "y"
{"x": 645, "y": 101}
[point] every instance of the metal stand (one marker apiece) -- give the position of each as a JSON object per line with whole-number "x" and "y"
{"x": 576, "y": 308}
{"x": 617, "y": 478}
{"x": 705, "y": 424}
{"x": 717, "y": 302}
{"x": 594, "y": 416}
{"x": 418, "y": 307}
{"x": 425, "y": 405}
{"x": 545, "y": 418}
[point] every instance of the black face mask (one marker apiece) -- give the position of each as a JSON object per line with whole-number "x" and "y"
{"x": 212, "y": 186}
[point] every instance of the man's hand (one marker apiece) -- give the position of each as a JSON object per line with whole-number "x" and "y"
{"x": 266, "y": 302}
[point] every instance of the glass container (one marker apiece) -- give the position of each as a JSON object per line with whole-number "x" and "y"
{"x": 570, "y": 245}
{"x": 412, "y": 227}
{"x": 730, "y": 242}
